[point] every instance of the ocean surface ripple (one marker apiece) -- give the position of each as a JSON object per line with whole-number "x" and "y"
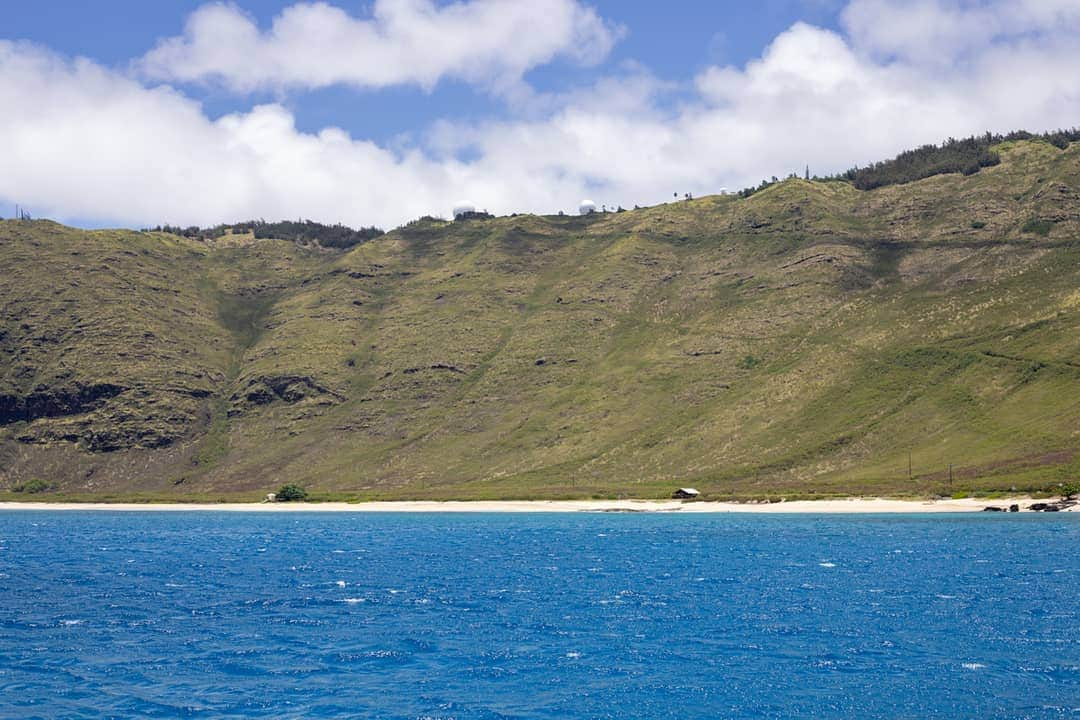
{"x": 430, "y": 616}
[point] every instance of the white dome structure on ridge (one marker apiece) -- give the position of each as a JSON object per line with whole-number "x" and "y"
{"x": 586, "y": 207}
{"x": 463, "y": 207}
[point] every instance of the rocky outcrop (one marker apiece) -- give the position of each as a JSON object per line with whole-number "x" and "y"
{"x": 56, "y": 402}
{"x": 1058, "y": 506}
{"x": 290, "y": 389}
{"x": 129, "y": 421}
{"x": 437, "y": 366}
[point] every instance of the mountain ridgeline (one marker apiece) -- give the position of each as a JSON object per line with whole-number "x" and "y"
{"x": 813, "y": 338}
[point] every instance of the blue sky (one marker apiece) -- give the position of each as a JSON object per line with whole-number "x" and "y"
{"x": 377, "y": 112}
{"x": 674, "y": 40}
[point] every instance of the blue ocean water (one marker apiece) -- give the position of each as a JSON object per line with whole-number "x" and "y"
{"x": 219, "y": 615}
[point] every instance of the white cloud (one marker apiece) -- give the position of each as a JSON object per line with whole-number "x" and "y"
{"x": 942, "y": 31}
{"x": 491, "y": 43}
{"x": 86, "y": 142}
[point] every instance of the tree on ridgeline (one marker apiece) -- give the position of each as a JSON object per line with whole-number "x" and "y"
{"x": 967, "y": 156}
{"x": 303, "y": 231}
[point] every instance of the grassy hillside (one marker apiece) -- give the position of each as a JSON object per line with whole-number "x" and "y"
{"x": 809, "y": 339}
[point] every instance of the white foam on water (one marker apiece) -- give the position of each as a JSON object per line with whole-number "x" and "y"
{"x": 972, "y": 666}
{"x": 947, "y": 597}
{"x": 340, "y": 583}
{"x": 69, "y": 623}
{"x": 380, "y": 653}
{"x": 573, "y": 655}
{"x": 827, "y": 564}
{"x": 354, "y": 601}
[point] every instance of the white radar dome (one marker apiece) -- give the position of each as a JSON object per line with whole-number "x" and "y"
{"x": 586, "y": 207}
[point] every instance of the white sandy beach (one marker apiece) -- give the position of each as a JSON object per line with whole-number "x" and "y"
{"x": 848, "y": 505}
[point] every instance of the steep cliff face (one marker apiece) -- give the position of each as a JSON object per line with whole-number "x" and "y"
{"x": 809, "y": 338}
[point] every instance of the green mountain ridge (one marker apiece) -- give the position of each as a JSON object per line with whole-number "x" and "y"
{"x": 808, "y": 339}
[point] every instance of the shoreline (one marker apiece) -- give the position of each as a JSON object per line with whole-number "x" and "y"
{"x": 853, "y": 505}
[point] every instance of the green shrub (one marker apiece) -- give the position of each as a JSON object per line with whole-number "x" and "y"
{"x": 291, "y": 493}
{"x": 32, "y": 487}
{"x": 749, "y": 362}
{"x": 978, "y": 225}
{"x": 1059, "y": 140}
{"x": 1038, "y": 227}
{"x": 1031, "y": 371}
{"x": 1069, "y": 489}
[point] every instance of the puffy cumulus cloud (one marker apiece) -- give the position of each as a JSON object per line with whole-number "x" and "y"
{"x": 812, "y": 98}
{"x": 943, "y": 31}
{"x": 85, "y": 142}
{"x": 487, "y": 42}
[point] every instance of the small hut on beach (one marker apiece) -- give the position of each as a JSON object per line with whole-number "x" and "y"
{"x": 685, "y": 494}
